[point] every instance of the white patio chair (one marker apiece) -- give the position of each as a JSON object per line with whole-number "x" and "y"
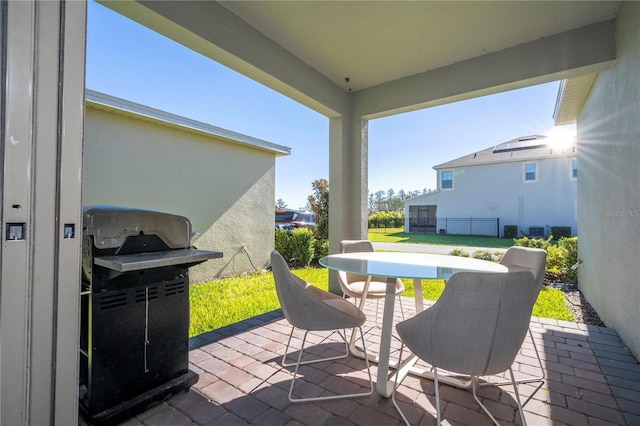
{"x": 311, "y": 309}
{"x": 353, "y": 285}
{"x": 476, "y": 328}
{"x": 533, "y": 260}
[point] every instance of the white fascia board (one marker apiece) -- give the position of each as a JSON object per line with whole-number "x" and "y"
{"x": 121, "y": 106}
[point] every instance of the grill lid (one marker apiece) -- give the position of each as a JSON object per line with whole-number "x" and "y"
{"x": 110, "y": 226}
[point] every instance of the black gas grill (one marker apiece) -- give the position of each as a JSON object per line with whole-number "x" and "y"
{"x": 134, "y": 310}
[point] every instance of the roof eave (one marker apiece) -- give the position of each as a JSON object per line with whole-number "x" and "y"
{"x": 120, "y": 106}
{"x": 572, "y": 94}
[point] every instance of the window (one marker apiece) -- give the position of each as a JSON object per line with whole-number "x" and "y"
{"x": 530, "y": 172}
{"x": 574, "y": 169}
{"x": 447, "y": 179}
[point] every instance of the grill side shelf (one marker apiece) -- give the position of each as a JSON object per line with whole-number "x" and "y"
{"x": 139, "y": 261}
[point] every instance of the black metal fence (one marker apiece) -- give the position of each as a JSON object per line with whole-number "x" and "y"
{"x": 459, "y": 226}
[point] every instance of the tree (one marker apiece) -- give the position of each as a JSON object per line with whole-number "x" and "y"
{"x": 380, "y": 200}
{"x": 372, "y": 203}
{"x": 281, "y": 205}
{"x": 395, "y": 204}
{"x": 319, "y": 202}
{"x": 390, "y": 194}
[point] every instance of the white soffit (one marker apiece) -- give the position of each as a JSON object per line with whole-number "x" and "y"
{"x": 572, "y": 95}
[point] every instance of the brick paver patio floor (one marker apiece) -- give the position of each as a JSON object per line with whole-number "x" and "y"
{"x": 591, "y": 379}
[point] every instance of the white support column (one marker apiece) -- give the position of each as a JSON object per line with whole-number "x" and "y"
{"x": 348, "y": 183}
{"x": 43, "y": 52}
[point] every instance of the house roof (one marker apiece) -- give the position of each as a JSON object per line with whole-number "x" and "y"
{"x": 104, "y": 102}
{"x": 519, "y": 149}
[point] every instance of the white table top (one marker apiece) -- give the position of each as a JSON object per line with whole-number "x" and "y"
{"x": 407, "y": 265}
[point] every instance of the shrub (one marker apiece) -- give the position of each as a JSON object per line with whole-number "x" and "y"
{"x": 510, "y": 231}
{"x": 320, "y": 249}
{"x": 459, "y": 252}
{"x": 570, "y": 247}
{"x": 533, "y": 242}
{"x": 487, "y": 255}
{"x": 560, "y": 257}
{"x": 296, "y": 246}
{"x": 555, "y": 268}
{"x": 282, "y": 243}
{"x": 386, "y": 220}
{"x": 561, "y": 232}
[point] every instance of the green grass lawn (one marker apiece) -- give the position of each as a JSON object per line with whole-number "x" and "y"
{"x": 219, "y": 303}
{"x": 397, "y": 235}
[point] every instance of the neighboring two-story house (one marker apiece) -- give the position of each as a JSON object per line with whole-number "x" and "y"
{"x": 523, "y": 182}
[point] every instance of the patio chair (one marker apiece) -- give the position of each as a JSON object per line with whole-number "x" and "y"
{"x": 533, "y": 260}
{"x": 353, "y": 285}
{"x": 311, "y": 309}
{"x": 476, "y": 328}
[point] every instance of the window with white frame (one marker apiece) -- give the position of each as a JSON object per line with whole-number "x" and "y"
{"x": 530, "y": 172}
{"x": 574, "y": 169}
{"x": 446, "y": 179}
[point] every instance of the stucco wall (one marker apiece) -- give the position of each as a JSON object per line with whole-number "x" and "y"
{"x": 497, "y": 190}
{"x": 226, "y": 190}
{"x": 608, "y": 188}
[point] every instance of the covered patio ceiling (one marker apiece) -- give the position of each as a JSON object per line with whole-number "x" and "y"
{"x": 317, "y": 52}
{"x": 371, "y": 43}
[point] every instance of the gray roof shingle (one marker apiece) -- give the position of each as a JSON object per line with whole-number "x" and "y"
{"x": 520, "y": 149}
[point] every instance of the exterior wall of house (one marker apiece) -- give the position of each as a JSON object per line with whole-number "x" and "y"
{"x": 609, "y": 198}
{"x": 423, "y": 200}
{"x": 498, "y": 191}
{"x": 225, "y": 189}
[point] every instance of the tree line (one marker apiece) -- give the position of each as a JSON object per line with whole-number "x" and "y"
{"x": 390, "y": 200}
{"x": 379, "y": 201}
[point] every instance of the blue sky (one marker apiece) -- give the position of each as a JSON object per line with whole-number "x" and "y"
{"x": 129, "y": 61}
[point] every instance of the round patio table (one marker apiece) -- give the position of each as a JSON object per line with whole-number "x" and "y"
{"x": 392, "y": 265}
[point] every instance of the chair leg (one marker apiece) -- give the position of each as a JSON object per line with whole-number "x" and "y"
{"x": 401, "y": 308}
{"x": 515, "y": 389}
{"x": 286, "y": 351}
{"x": 395, "y": 388}
{"x": 535, "y": 348}
{"x": 539, "y": 378}
{"x": 474, "y": 385}
{"x": 435, "y": 386}
{"x": 398, "y": 383}
{"x": 376, "y": 317}
{"x": 325, "y": 398}
{"x": 401, "y": 311}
